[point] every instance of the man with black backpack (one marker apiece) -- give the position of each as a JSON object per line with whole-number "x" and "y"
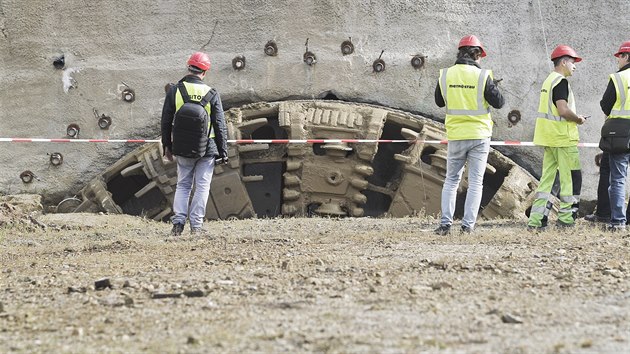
{"x": 193, "y": 130}
{"x": 616, "y": 135}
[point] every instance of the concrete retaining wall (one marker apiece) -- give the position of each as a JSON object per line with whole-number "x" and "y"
{"x": 144, "y": 44}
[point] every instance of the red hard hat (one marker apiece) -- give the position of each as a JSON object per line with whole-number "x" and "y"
{"x": 563, "y": 50}
{"x": 199, "y": 60}
{"x": 624, "y": 48}
{"x": 471, "y": 41}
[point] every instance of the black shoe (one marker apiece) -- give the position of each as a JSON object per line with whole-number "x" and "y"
{"x": 596, "y": 218}
{"x": 536, "y": 229}
{"x": 564, "y": 225}
{"x": 467, "y": 230}
{"x": 177, "y": 229}
{"x": 442, "y": 230}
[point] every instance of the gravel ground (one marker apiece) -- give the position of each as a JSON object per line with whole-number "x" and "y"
{"x": 119, "y": 284}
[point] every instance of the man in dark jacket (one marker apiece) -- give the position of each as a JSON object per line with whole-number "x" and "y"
{"x": 197, "y": 170}
{"x": 602, "y": 209}
{"x": 616, "y": 105}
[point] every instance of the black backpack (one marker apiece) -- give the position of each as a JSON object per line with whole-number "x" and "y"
{"x": 191, "y": 126}
{"x": 615, "y": 136}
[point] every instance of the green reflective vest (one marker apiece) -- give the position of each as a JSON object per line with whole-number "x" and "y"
{"x": 196, "y": 93}
{"x": 551, "y": 129}
{"x": 467, "y": 111}
{"x": 621, "y": 109}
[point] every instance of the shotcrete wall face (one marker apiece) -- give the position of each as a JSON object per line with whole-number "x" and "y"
{"x": 101, "y": 66}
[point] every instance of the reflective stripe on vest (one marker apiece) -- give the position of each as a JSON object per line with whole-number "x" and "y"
{"x": 621, "y": 108}
{"x": 551, "y": 111}
{"x": 551, "y": 129}
{"x": 196, "y": 93}
{"x": 551, "y": 106}
{"x": 467, "y": 112}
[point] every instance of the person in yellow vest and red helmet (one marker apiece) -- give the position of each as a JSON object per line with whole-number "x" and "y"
{"x": 194, "y": 131}
{"x": 616, "y": 105}
{"x": 556, "y": 130}
{"x": 467, "y": 91}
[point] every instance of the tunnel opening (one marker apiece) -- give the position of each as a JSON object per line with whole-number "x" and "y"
{"x": 271, "y": 130}
{"x": 386, "y": 170}
{"x": 124, "y": 189}
{"x": 491, "y": 185}
{"x": 265, "y": 193}
{"x": 318, "y": 149}
{"x": 265, "y": 132}
{"x": 427, "y": 151}
{"x": 329, "y": 95}
{"x": 377, "y": 203}
{"x": 264, "y": 178}
{"x": 492, "y": 182}
{"x": 271, "y": 180}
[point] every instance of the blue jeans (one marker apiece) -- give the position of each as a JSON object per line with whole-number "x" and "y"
{"x": 200, "y": 172}
{"x": 617, "y": 189}
{"x": 475, "y": 152}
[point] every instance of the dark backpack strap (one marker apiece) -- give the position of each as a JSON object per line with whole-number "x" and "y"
{"x": 183, "y": 91}
{"x": 206, "y": 99}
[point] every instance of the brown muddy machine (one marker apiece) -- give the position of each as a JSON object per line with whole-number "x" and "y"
{"x": 340, "y": 179}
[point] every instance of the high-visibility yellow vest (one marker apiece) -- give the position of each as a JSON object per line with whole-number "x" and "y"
{"x": 551, "y": 129}
{"x": 196, "y": 93}
{"x": 467, "y": 111}
{"x": 621, "y": 109}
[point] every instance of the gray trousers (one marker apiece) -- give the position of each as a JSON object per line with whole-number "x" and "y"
{"x": 198, "y": 171}
{"x": 475, "y": 152}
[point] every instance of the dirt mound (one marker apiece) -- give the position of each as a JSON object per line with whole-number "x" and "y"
{"x": 21, "y": 209}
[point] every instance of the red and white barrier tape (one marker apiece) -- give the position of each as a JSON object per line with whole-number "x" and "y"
{"x": 38, "y": 140}
{"x": 277, "y": 141}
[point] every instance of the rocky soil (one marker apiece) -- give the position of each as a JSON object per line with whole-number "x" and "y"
{"x": 85, "y": 283}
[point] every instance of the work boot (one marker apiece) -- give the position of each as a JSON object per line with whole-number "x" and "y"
{"x": 442, "y": 230}
{"x": 177, "y": 229}
{"x": 564, "y": 225}
{"x": 596, "y": 218}
{"x": 467, "y": 230}
{"x": 536, "y": 229}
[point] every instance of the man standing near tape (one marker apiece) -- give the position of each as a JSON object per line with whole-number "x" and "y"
{"x": 616, "y": 135}
{"x": 194, "y": 130}
{"x": 467, "y": 91}
{"x": 556, "y": 130}
{"x": 602, "y": 160}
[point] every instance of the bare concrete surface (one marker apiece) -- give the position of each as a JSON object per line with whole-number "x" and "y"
{"x": 111, "y": 46}
{"x": 87, "y": 283}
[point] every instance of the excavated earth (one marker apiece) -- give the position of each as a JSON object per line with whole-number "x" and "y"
{"x": 88, "y": 283}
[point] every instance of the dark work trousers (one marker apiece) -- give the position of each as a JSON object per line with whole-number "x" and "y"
{"x": 603, "y": 200}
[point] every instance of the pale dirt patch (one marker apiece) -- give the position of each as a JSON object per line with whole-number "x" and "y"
{"x": 311, "y": 285}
